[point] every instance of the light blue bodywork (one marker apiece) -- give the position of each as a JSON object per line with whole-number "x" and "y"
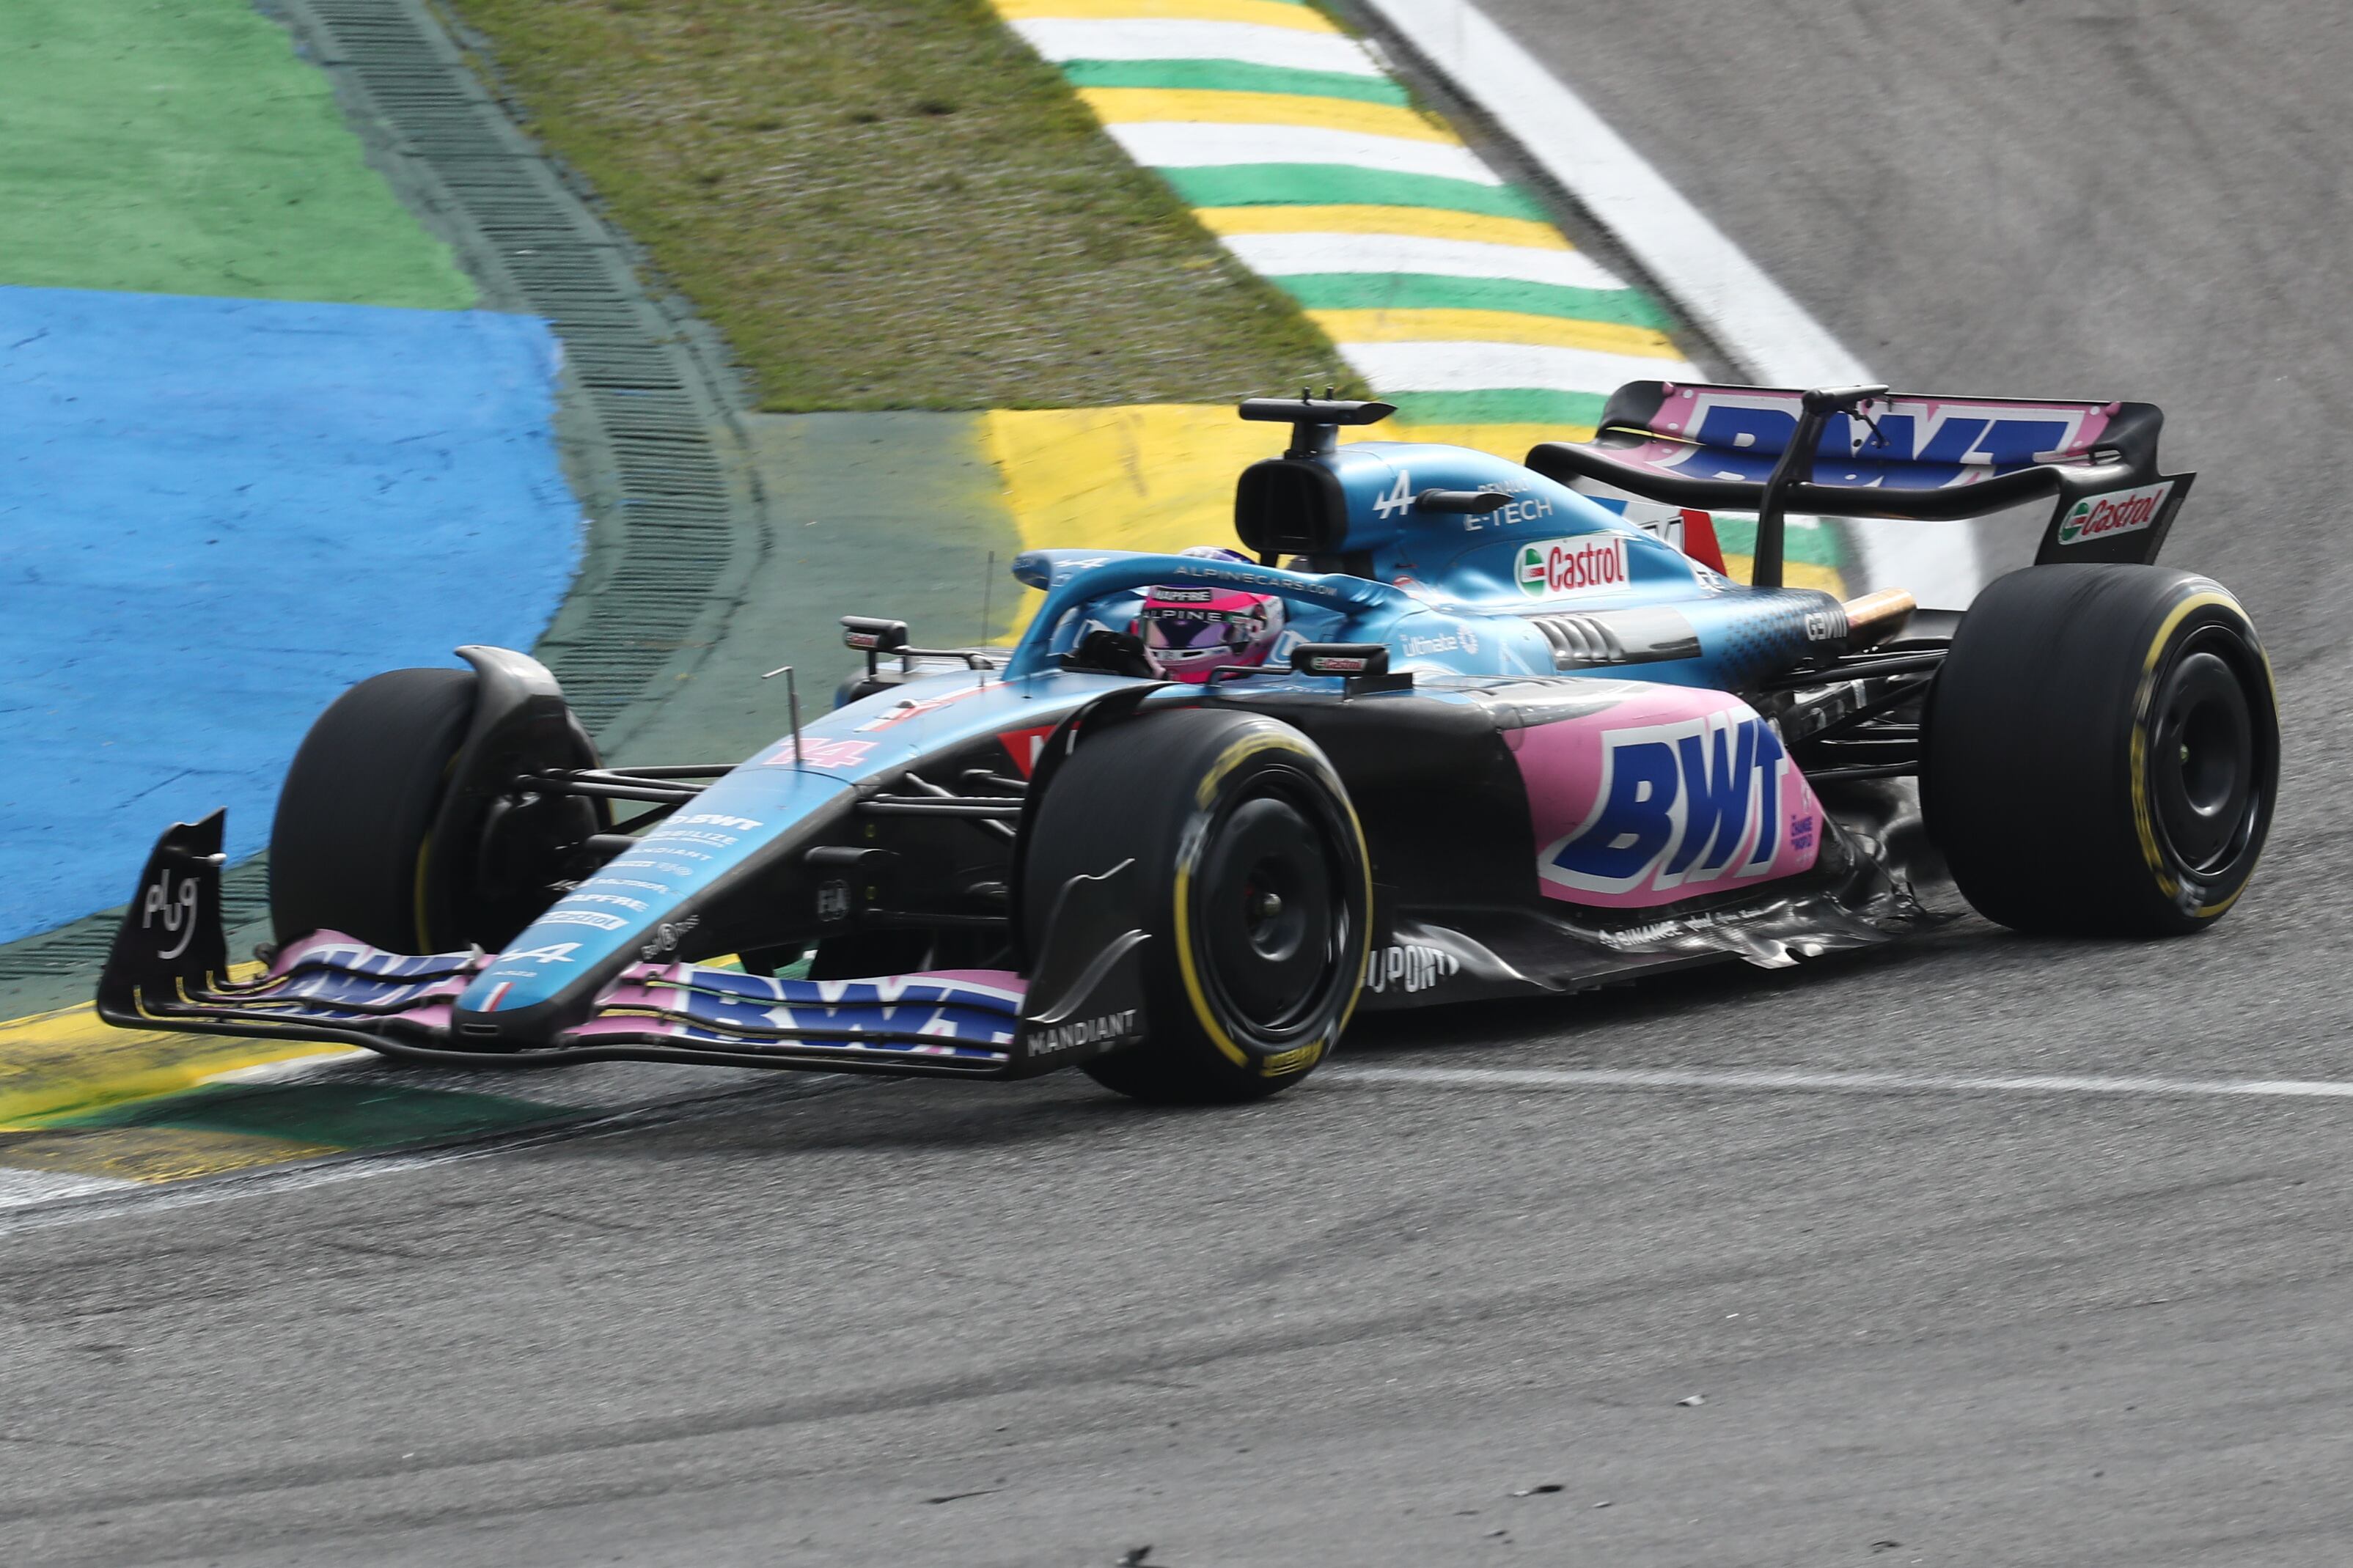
{"x": 1445, "y": 596}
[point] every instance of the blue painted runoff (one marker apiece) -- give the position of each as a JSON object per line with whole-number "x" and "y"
{"x": 218, "y": 514}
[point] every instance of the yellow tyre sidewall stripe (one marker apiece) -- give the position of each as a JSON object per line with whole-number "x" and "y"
{"x": 2144, "y": 819}
{"x": 1271, "y": 738}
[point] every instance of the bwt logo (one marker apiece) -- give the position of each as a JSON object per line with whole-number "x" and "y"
{"x": 1939, "y": 443}
{"x": 1680, "y": 804}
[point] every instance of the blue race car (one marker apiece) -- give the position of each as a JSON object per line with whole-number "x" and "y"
{"x": 1454, "y": 728}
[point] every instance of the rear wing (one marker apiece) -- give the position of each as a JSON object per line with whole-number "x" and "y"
{"x": 1858, "y": 452}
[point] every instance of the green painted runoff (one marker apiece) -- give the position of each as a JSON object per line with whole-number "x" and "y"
{"x": 180, "y": 147}
{"x": 1278, "y": 184}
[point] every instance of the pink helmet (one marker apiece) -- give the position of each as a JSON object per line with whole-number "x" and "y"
{"x": 1189, "y": 631}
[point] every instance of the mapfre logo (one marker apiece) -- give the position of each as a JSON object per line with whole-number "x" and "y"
{"x": 1594, "y": 563}
{"x": 2124, "y": 511}
{"x": 1680, "y": 804}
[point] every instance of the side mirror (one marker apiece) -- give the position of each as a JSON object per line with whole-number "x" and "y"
{"x": 1365, "y": 665}
{"x": 871, "y": 634}
{"x": 873, "y": 637}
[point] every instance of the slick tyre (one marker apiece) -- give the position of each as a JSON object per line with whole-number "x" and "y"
{"x": 352, "y": 847}
{"x": 2101, "y": 752}
{"x": 1255, "y": 896}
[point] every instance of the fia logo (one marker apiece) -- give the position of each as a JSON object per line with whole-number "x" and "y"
{"x": 1680, "y": 804}
{"x": 667, "y": 936}
{"x": 178, "y": 909}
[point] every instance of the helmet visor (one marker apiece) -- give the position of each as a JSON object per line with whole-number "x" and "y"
{"x": 1194, "y": 631}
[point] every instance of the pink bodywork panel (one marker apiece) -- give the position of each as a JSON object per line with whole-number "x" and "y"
{"x": 1671, "y": 793}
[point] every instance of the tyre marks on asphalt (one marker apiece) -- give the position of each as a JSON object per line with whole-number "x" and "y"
{"x": 343, "y": 1115}
{"x": 32, "y": 1198}
{"x": 329, "y": 1103}
{"x": 86, "y": 1107}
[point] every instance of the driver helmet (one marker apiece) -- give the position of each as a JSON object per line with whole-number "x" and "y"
{"x": 1190, "y": 629}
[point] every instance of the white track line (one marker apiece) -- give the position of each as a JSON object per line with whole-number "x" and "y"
{"x": 1283, "y": 254}
{"x": 20, "y": 1188}
{"x": 1187, "y": 144}
{"x": 1768, "y": 335}
{"x": 1060, "y": 38}
{"x": 1837, "y": 1083}
{"x": 99, "y": 1198}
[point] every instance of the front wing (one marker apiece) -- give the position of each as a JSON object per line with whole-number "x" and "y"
{"x": 169, "y": 969}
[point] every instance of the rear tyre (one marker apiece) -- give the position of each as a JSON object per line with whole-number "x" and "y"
{"x": 2101, "y": 752}
{"x": 1253, "y": 890}
{"x": 353, "y": 846}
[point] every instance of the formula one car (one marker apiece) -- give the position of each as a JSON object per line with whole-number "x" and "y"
{"x": 1455, "y": 728}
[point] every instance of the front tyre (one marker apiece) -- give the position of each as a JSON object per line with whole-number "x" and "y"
{"x": 353, "y": 847}
{"x": 2101, "y": 752}
{"x": 1254, "y": 893}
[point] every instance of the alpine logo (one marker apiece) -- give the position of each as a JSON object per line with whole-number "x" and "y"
{"x": 1593, "y": 563}
{"x": 1680, "y": 804}
{"x": 2121, "y": 511}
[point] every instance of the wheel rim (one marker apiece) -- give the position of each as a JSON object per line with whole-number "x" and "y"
{"x": 2203, "y": 769}
{"x": 522, "y": 842}
{"x": 1273, "y": 917}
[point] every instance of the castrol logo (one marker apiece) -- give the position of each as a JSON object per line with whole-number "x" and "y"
{"x": 2120, "y": 511}
{"x": 1591, "y": 564}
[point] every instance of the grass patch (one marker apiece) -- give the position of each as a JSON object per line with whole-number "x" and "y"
{"x": 892, "y": 203}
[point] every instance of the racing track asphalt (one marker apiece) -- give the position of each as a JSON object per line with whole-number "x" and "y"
{"x": 1345, "y": 1327}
